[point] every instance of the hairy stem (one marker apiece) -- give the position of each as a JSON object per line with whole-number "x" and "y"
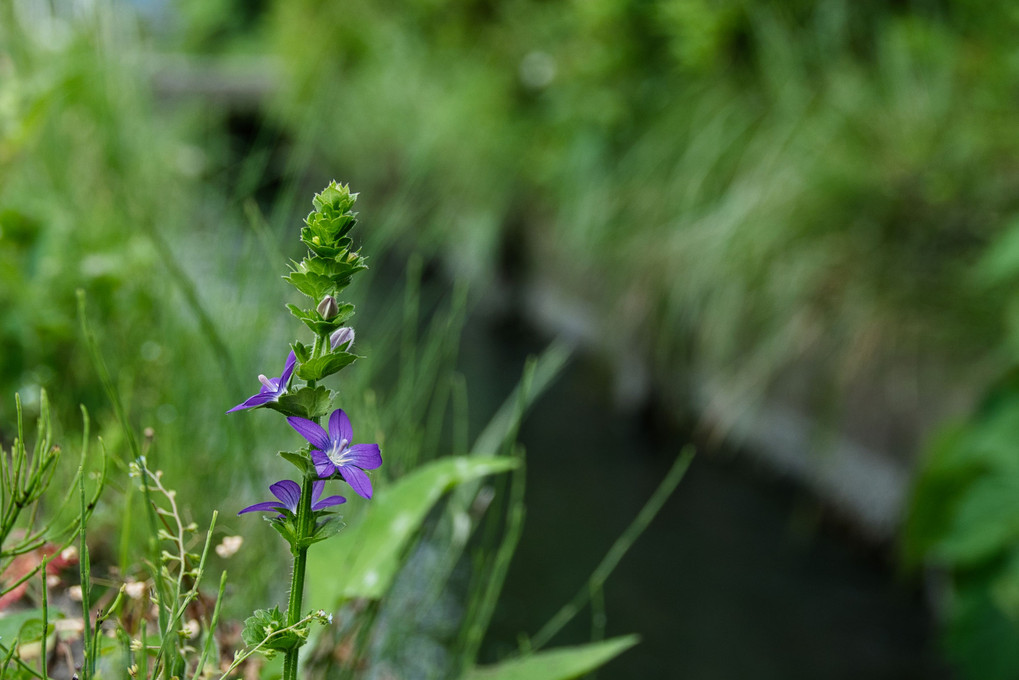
{"x": 300, "y": 551}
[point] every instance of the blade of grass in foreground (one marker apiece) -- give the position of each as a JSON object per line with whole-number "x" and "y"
{"x": 618, "y": 549}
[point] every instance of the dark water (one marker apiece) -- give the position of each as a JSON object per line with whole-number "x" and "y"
{"x": 740, "y": 575}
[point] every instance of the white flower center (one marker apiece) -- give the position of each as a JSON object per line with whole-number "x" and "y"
{"x": 337, "y": 452}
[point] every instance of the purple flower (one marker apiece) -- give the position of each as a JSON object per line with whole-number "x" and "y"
{"x": 272, "y": 388}
{"x": 289, "y": 494}
{"x": 333, "y": 452}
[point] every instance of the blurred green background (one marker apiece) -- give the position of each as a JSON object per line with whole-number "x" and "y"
{"x": 791, "y": 228}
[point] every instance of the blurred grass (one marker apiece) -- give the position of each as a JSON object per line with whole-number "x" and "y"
{"x": 740, "y": 185}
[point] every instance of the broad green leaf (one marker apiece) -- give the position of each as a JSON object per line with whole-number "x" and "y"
{"x": 986, "y": 521}
{"x": 557, "y": 664}
{"x": 325, "y": 365}
{"x": 299, "y": 460}
{"x": 363, "y": 559}
{"x": 311, "y": 284}
{"x": 11, "y": 623}
{"x": 31, "y": 630}
{"x": 307, "y": 402}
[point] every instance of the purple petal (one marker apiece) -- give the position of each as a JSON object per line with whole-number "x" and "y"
{"x": 342, "y": 336}
{"x": 288, "y": 492}
{"x": 262, "y": 507}
{"x": 252, "y": 402}
{"x": 339, "y": 426}
{"x": 311, "y": 431}
{"x": 364, "y": 456}
{"x": 288, "y": 369}
{"x": 329, "y": 502}
{"x": 316, "y": 489}
{"x": 357, "y": 479}
{"x": 323, "y": 466}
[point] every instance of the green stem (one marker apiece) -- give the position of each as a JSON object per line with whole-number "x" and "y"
{"x": 300, "y": 551}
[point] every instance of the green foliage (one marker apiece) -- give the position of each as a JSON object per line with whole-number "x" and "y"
{"x": 556, "y": 664}
{"x": 263, "y": 629}
{"x": 329, "y": 266}
{"x": 963, "y": 519}
{"x": 365, "y": 558}
{"x": 325, "y": 365}
{"x": 26, "y": 476}
{"x": 804, "y": 168}
{"x": 306, "y": 402}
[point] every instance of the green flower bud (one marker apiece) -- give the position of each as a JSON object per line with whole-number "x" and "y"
{"x": 328, "y": 308}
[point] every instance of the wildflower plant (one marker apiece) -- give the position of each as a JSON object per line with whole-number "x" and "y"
{"x": 31, "y": 536}
{"x": 299, "y": 514}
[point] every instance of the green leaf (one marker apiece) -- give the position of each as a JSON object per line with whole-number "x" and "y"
{"x": 315, "y": 286}
{"x": 31, "y": 631}
{"x": 557, "y": 664}
{"x": 301, "y": 351}
{"x": 980, "y": 637}
{"x": 986, "y": 521}
{"x": 362, "y": 561}
{"x": 335, "y": 198}
{"x": 301, "y": 461}
{"x": 284, "y": 526}
{"x": 319, "y": 326}
{"x": 265, "y": 622}
{"x": 11, "y": 623}
{"x": 325, "y": 365}
{"x": 307, "y": 402}
{"x": 329, "y": 528}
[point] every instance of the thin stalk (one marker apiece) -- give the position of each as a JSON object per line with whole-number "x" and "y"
{"x": 85, "y": 574}
{"x": 482, "y": 616}
{"x": 239, "y": 659}
{"x": 300, "y": 552}
{"x": 210, "y": 634}
{"x": 7, "y": 660}
{"x": 618, "y": 549}
{"x": 45, "y": 619}
{"x": 143, "y": 657}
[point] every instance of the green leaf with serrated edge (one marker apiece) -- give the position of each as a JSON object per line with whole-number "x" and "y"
{"x": 283, "y": 526}
{"x": 313, "y": 320}
{"x": 563, "y": 663}
{"x": 325, "y": 365}
{"x": 339, "y": 271}
{"x": 300, "y": 461}
{"x": 315, "y": 286}
{"x": 363, "y": 560}
{"x": 307, "y": 402}
{"x": 263, "y": 623}
{"x": 329, "y": 528}
{"x": 301, "y": 351}
{"x": 327, "y": 250}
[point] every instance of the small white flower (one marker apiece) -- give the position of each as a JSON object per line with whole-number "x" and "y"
{"x": 229, "y": 546}
{"x": 134, "y": 589}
